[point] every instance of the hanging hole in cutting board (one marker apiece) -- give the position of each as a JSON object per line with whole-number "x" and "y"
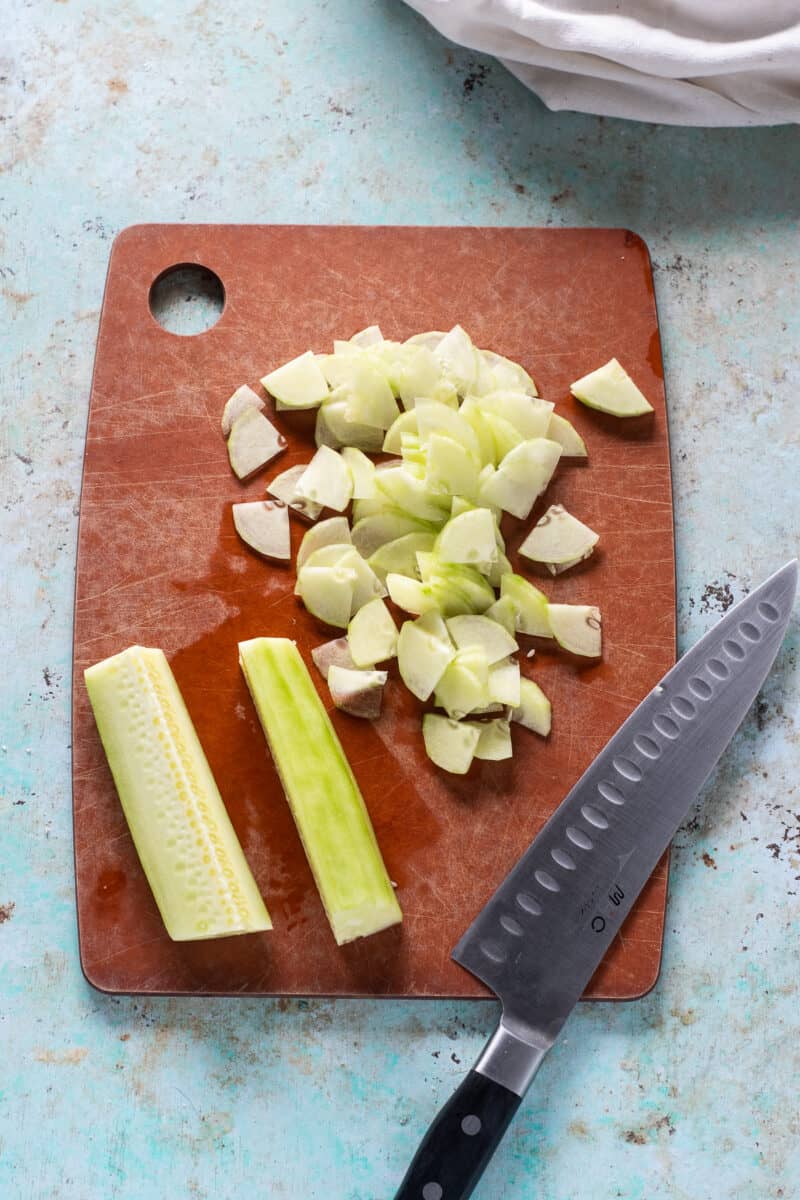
{"x": 187, "y": 299}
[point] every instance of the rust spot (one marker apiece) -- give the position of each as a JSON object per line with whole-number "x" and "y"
{"x": 124, "y": 1037}
{"x": 635, "y": 1137}
{"x": 520, "y": 189}
{"x": 578, "y": 1129}
{"x": 62, "y": 1058}
{"x": 717, "y": 596}
{"x": 475, "y": 79}
{"x": 18, "y": 299}
{"x": 117, "y": 87}
{"x": 566, "y": 194}
{"x": 6, "y": 911}
{"x": 708, "y": 860}
{"x": 774, "y": 849}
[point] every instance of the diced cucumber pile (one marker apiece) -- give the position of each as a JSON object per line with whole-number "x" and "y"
{"x": 471, "y": 440}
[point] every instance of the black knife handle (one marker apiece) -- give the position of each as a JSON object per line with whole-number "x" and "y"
{"x": 463, "y": 1137}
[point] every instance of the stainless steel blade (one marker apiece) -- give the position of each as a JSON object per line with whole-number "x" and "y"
{"x": 539, "y": 939}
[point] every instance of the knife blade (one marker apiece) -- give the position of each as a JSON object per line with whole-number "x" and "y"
{"x": 541, "y": 936}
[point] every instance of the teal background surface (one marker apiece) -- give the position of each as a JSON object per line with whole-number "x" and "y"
{"x": 119, "y": 112}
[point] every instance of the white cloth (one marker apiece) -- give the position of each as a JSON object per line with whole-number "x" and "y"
{"x": 682, "y": 62}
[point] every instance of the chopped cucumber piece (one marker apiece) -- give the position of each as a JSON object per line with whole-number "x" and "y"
{"x": 411, "y": 494}
{"x": 559, "y": 540}
{"x": 332, "y": 654}
{"x": 372, "y": 634}
{"x": 333, "y": 532}
{"x": 449, "y": 744}
{"x": 415, "y": 455}
{"x": 254, "y": 441}
{"x": 322, "y": 792}
{"x": 367, "y": 585}
{"x": 372, "y": 532}
{"x": 506, "y": 437}
{"x": 484, "y": 381}
{"x": 405, "y": 423}
{"x": 494, "y": 740}
{"x": 326, "y": 480}
{"x": 430, "y": 339}
{"x": 483, "y": 632}
{"x": 532, "y": 605}
{"x": 444, "y": 393}
{"x": 496, "y": 570}
{"x": 504, "y": 682}
{"x": 459, "y": 505}
{"x": 458, "y": 589}
{"x": 471, "y": 413}
{"x": 450, "y": 467}
{"x": 184, "y": 838}
{"x": 577, "y": 628}
{"x": 243, "y": 398}
{"x": 336, "y": 368}
{"x": 522, "y": 476}
{"x": 560, "y": 430}
{"x": 458, "y": 358}
{"x": 358, "y": 693}
{"x": 400, "y": 555}
{"x": 426, "y": 564}
{"x": 264, "y": 525}
{"x": 416, "y": 373}
{"x": 284, "y": 487}
{"x": 468, "y": 538}
{"x": 424, "y": 651}
{"x": 409, "y": 594}
{"x": 508, "y": 375}
{"x": 435, "y": 417}
{"x": 611, "y": 390}
{"x": 327, "y": 593}
{"x": 529, "y": 415}
{"x": 371, "y": 336}
{"x": 505, "y": 611}
{"x": 362, "y": 472}
{"x": 379, "y": 503}
{"x": 333, "y": 429}
{"x": 333, "y": 554}
{"x": 297, "y": 384}
{"x": 464, "y": 685}
{"x": 370, "y": 400}
{"x": 534, "y": 710}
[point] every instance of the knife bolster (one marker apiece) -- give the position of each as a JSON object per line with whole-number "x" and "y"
{"x": 510, "y": 1061}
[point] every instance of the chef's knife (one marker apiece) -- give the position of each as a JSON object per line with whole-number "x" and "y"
{"x": 541, "y": 936}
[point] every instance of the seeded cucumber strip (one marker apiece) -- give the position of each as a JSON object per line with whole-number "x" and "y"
{"x": 184, "y": 838}
{"x": 322, "y": 792}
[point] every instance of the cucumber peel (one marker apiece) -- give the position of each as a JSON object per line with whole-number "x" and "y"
{"x": 359, "y": 693}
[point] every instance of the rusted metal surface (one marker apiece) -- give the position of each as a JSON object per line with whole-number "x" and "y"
{"x": 299, "y": 113}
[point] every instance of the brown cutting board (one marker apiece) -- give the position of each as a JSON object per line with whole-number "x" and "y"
{"x": 159, "y": 564}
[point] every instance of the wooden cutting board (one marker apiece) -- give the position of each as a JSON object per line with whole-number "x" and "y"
{"x": 159, "y": 564}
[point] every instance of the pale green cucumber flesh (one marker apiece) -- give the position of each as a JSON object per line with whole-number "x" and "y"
{"x": 449, "y": 744}
{"x": 184, "y": 838}
{"x": 322, "y": 792}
